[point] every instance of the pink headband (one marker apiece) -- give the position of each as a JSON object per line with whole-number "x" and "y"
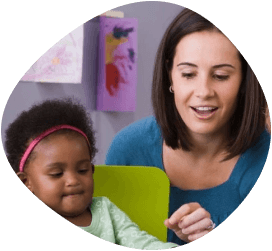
{"x": 42, "y": 136}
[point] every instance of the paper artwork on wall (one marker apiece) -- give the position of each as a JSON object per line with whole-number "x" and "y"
{"x": 117, "y": 78}
{"x": 62, "y": 63}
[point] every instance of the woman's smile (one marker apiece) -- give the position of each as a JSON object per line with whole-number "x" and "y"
{"x": 204, "y": 112}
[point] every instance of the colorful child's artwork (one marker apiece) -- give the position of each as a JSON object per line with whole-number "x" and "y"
{"x": 117, "y": 79}
{"x": 62, "y": 63}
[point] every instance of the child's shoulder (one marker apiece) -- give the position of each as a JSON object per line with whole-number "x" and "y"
{"x": 99, "y": 202}
{"x": 103, "y": 205}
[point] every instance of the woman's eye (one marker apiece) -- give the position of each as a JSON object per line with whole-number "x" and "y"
{"x": 221, "y": 77}
{"x": 188, "y": 75}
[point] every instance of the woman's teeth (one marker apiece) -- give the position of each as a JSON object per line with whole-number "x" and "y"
{"x": 204, "y": 108}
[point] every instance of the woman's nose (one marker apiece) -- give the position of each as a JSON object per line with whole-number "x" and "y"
{"x": 204, "y": 88}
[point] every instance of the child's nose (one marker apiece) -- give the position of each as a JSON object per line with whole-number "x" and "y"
{"x": 72, "y": 180}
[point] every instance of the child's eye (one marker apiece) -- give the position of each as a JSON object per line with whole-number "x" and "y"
{"x": 83, "y": 171}
{"x": 56, "y": 175}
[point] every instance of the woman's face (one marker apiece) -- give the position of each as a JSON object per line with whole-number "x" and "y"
{"x": 206, "y": 78}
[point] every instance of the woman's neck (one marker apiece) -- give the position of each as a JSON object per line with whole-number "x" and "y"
{"x": 209, "y": 145}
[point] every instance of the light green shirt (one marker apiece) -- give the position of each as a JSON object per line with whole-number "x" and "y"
{"x": 112, "y": 224}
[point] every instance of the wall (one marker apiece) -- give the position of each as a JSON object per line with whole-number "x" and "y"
{"x": 153, "y": 19}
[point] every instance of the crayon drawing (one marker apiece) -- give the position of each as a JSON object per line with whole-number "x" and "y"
{"x": 117, "y": 64}
{"x": 62, "y": 63}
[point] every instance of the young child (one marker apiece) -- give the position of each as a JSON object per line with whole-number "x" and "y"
{"x": 51, "y": 148}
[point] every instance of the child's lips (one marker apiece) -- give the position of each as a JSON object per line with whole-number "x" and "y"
{"x": 73, "y": 194}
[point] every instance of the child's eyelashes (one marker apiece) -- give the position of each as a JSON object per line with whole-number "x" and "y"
{"x": 56, "y": 175}
{"x": 59, "y": 174}
{"x": 83, "y": 171}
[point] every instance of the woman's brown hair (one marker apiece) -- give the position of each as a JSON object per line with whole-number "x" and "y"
{"x": 247, "y": 122}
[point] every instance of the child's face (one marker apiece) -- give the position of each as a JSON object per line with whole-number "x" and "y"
{"x": 61, "y": 174}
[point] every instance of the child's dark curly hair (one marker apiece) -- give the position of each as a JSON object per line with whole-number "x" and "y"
{"x": 40, "y": 117}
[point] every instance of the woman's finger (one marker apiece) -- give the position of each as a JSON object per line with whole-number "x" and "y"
{"x": 177, "y": 230}
{"x": 199, "y": 226}
{"x": 184, "y": 210}
{"x": 196, "y": 216}
{"x": 196, "y": 236}
{"x": 173, "y": 227}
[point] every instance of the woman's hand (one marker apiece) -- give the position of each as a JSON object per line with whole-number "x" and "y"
{"x": 190, "y": 222}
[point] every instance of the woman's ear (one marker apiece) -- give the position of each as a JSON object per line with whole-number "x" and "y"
{"x": 25, "y": 179}
{"x": 169, "y": 71}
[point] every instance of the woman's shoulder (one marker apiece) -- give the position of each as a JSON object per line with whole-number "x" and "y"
{"x": 145, "y": 128}
{"x": 145, "y": 124}
{"x": 264, "y": 139}
{"x": 254, "y": 158}
{"x": 132, "y": 144}
{"x": 259, "y": 150}
{"x": 252, "y": 163}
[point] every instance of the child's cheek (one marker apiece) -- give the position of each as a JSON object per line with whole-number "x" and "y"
{"x": 48, "y": 191}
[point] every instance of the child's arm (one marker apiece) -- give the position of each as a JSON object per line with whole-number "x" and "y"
{"x": 128, "y": 234}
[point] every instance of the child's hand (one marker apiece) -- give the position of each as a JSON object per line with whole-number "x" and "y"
{"x": 190, "y": 222}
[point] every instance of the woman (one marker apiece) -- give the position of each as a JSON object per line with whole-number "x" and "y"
{"x": 208, "y": 133}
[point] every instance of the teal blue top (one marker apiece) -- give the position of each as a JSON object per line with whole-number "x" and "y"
{"x": 140, "y": 144}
